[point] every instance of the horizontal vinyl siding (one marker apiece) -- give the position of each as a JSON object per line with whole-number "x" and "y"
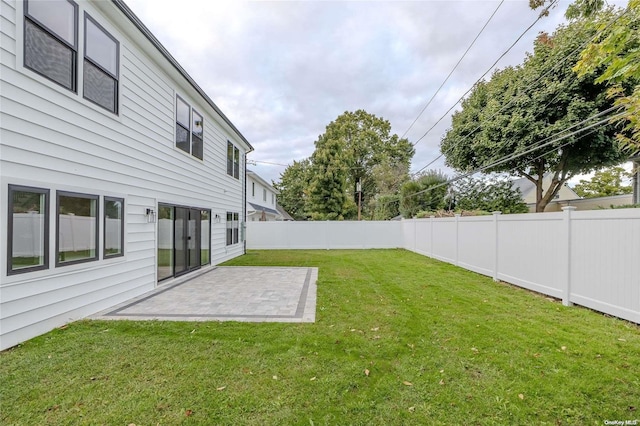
{"x": 53, "y": 138}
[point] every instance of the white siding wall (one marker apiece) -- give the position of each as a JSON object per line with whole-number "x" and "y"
{"x": 52, "y": 138}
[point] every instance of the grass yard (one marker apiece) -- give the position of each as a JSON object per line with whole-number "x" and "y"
{"x": 398, "y": 339}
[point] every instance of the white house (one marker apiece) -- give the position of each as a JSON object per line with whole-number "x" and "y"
{"x": 118, "y": 172}
{"x": 262, "y": 202}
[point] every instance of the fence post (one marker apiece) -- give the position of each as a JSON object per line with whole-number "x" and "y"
{"x": 414, "y": 226}
{"x": 566, "y": 295}
{"x": 495, "y": 245}
{"x": 457, "y": 236}
{"x": 431, "y": 235}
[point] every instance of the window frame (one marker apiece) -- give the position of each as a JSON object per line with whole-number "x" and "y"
{"x": 73, "y": 48}
{"x": 190, "y": 129}
{"x": 232, "y": 228}
{"x": 208, "y": 215}
{"x": 122, "y": 221}
{"x": 96, "y": 257}
{"x": 47, "y": 214}
{"x": 264, "y": 194}
{"x": 181, "y": 125}
{"x": 116, "y": 77}
{"x": 230, "y": 148}
{"x": 195, "y": 113}
{"x": 236, "y": 162}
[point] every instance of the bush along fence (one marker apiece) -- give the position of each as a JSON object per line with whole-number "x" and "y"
{"x": 590, "y": 258}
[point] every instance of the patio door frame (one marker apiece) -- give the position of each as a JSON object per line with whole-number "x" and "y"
{"x": 186, "y": 233}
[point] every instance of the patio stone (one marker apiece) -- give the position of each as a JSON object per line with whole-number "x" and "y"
{"x": 228, "y": 293}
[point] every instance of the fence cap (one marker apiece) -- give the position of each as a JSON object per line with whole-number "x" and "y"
{"x": 568, "y": 208}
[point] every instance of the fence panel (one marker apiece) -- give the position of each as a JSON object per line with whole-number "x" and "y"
{"x": 476, "y": 241}
{"x": 605, "y": 261}
{"x": 324, "y": 235}
{"x": 530, "y": 251}
{"x": 444, "y": 239}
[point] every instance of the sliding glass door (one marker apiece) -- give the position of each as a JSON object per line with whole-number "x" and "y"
{"x": 182, "y": 240}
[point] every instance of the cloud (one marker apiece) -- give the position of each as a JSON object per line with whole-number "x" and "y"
{"x": 282, "y": 70}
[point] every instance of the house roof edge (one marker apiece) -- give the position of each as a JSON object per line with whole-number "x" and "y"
{"x": 149, "y": 35}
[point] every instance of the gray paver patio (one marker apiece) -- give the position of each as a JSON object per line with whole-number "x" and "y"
{"x": 228, "y": 293}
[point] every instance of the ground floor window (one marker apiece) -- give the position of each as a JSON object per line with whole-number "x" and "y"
{"x": 184, "y": 239}
{"x": 113, "y": 227}
{"x": 77, "y": 224}
{"x": 28, "y": 239}
{"x": 232, "y": 228}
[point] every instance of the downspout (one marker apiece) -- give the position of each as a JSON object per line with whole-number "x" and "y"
{"x": 244, "y": 207}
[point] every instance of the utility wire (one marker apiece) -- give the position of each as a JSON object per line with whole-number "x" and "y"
{"x": 528, "y": 151}
{"x": 531, "y": 84}
{"x": 538, "y": 145}
{"x": 454, "y": 68}
{"x": 487, "y": 71}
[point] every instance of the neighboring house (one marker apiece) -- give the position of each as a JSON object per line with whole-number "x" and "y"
{"x": 262, "y": 202}
{"x": 118, "y": 172}
{"x": 528, "y": 191}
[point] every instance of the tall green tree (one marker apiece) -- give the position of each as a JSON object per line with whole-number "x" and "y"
{"x": 328, "y": 195}
{"x": 426, "y": 192}
{"x": 292, "y": 187}
{"x": 489, "y": 194}
{"x": 613, "y": 57}
{"x": 367, "y": 142}
{"x": 605, "y": 183}
{"x": 504, "y": 118}
{"x": 357, "y": 147}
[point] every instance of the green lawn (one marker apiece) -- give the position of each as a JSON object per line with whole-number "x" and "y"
{"x": 398, "y": 339}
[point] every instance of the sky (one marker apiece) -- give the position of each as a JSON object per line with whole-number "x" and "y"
{"x": 283, "y": 70}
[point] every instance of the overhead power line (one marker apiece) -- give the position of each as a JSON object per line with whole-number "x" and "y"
{"x": 530, "y": 150}
{"x": 453, "y": 69}
{"x": 532, "y": 83}
{"x": 553, "y": 3}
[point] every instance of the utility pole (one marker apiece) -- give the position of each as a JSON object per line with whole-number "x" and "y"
{"x": 359, "y": 188}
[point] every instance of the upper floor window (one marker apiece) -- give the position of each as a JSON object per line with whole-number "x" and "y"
{"x": 189, "y": 129}
{"x": 273, "y": 199}
{"x": 233, "y": 160}
{"x": 253, "y": 189}
{"x": 51, "y": 40}
{"x": 196, "y": 135}
{"x": 236, "y": 163}
{"x": 264, "y": 195}
{"x": 100, "y": 66}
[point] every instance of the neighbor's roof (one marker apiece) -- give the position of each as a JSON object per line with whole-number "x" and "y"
{"x": 257, "y": 177}
{"x": 283, "y": 212}
{"x": 145, "y": 31}
{"x": 259, "y": 208}
{"x": 523, "y": 184}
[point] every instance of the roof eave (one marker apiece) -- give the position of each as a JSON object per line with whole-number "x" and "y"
{"x": 149, "y": 35}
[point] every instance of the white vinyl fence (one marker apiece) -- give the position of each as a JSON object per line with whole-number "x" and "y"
{"x": 324, "y": 235}
{"x": 590, "y": 258}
